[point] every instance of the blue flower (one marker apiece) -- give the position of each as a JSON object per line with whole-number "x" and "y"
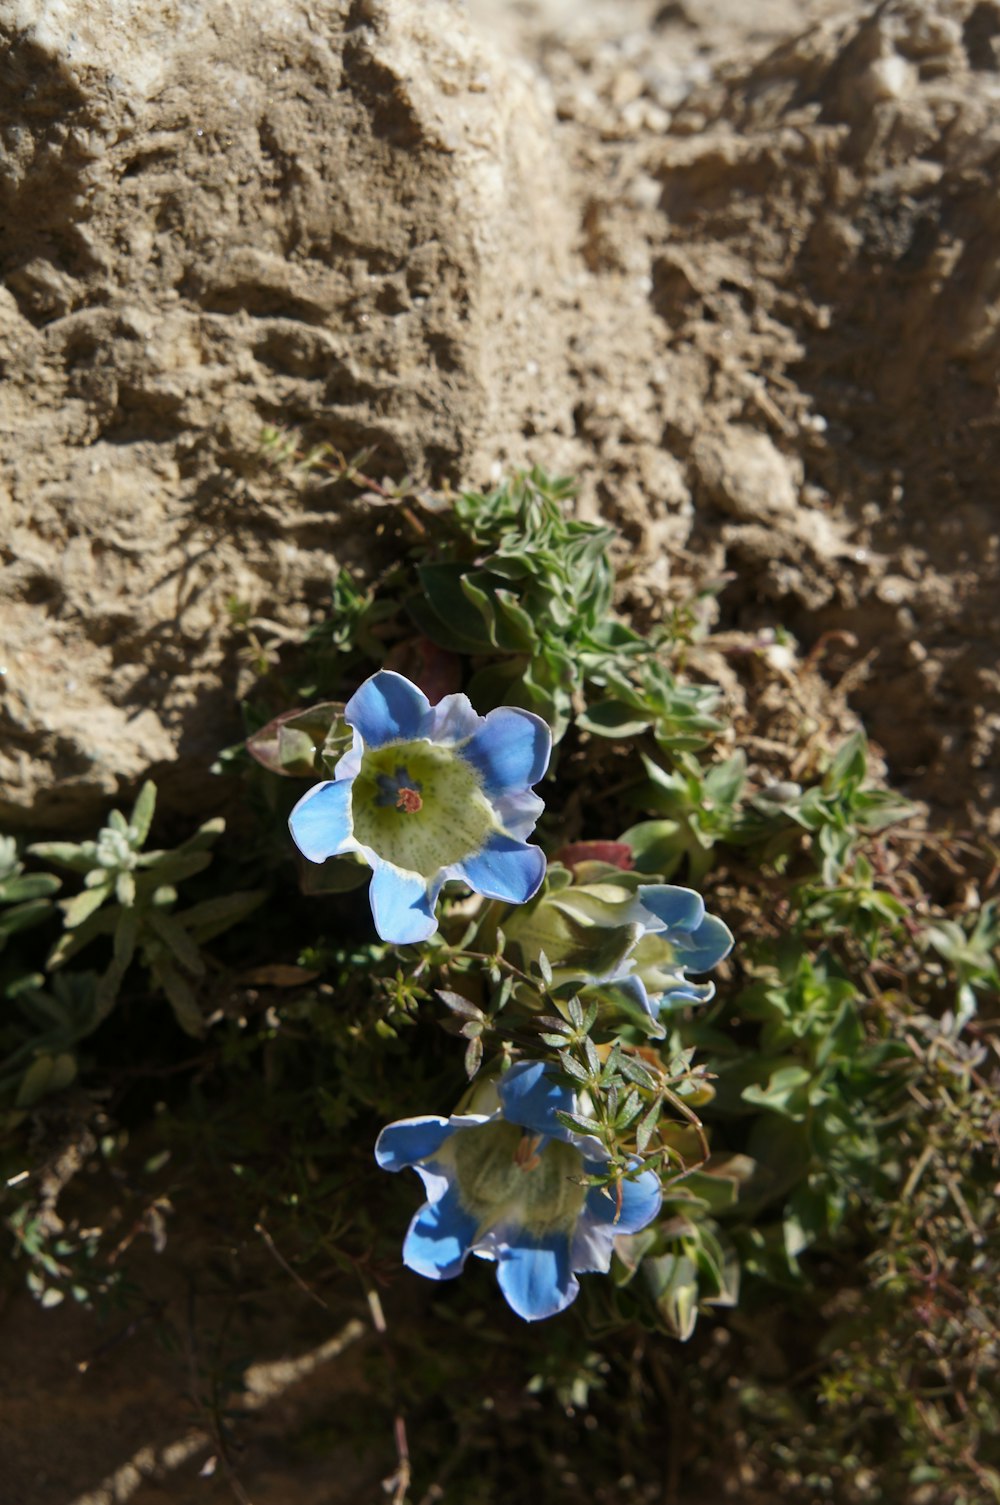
{"x": 505, "y": 1182}
{"x": 610, "y": 929}
{"x": 428, "y": 793}
{"x": 677, "y": 936}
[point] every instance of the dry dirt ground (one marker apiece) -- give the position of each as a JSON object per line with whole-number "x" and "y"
{"x": 736, "y": 266}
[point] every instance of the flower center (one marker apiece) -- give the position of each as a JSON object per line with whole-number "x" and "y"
{"x": 419, "y": 806}
{"x": 399, "y": 789}
{"x": 507, "y": 1174}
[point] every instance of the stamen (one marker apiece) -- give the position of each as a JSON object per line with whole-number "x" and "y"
{"x": 409, "y": 800}
{"x": 526, "y": 1156}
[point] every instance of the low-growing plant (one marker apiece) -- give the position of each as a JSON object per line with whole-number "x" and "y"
{"x": 790, "y": 1146}
{"x": 129, "y": 896}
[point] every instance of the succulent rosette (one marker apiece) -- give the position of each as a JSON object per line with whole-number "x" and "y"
{"x": 426, "y": 794}
{"x": 506, "y": 1181}
{"x": 611, "y": 929}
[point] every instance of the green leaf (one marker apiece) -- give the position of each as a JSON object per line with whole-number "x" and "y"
{"x": 473, "y": 591}
{"x": 835, "y": 845}
{"x": 109, "y": 984}
{"x": 636, "y": 1072}
{"x": 181, "y": 998}
{"x": 460, "y": 1005}
{"x": 83, "y": 905}
{"x": 452, "y": 619}
{"x": 645, "y": 1129}
{"x": 629, "y": 1111}
{"x": 48, "y": 1073}
{"x": 572, "y": 1067}
{"x": 875, "y": 809}
{"x": 849, "y": 765}
{"x": 171, "y": 867}
{"x": 658, "y": 846}
{"x": 515, "y": 628}
{"x": 579, "y": 1122}
{"x": 612, "y": 718}
{"x": 22, "y": 917}
{"x": 210, "y": 918}
{"x": 724, "y": 781}
{"x": 28, "y": 886}
{"x": 784, "y": 1092}
{"x": 673, "y": 1280}
{"x": 176, "y": 939}
{"x": 142, "y": 812}
{"x": 205, "y": 837}
{"x": 498, "y": 684}
{"x": 574, "y": 946}
{"x": 68, "y": 854}
{"x": 504, "y": 993}
{"x": 72, "y": 941}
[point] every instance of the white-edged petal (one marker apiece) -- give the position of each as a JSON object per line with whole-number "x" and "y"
{"x": 518, "y": 813}
{"x": 321, "y": 823}
{"x": 452, "y": 720}
{"x": 402, "y": 904}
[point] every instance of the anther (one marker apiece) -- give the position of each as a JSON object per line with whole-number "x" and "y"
{"x": 526, "y": 1156}
{"x": 409, "y": 800}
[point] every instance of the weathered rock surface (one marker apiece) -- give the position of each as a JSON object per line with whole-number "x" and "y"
{"x": 216, "y": 216}
{"x": 803, "y": 245}
{"x": 754, "y": 302}
{"x": 849, "y": 182}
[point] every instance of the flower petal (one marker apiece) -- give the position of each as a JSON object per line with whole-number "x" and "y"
{"x": 452, "y": 720}
{"x": 705, "y": 947}
{"x": 536, "y": 1278}
{"x": 439, "y": 1238}
{"x": 387, "y": 708}
{"x": 592, "y": 1247}
{"x": 678, "y": 995}
{"x": 518, "y": 813}
{"x": 675, "y": 908}
{"x": 633, "y": 987}
{"x": 510, "y": 751}
{"x": 530, "y": 1098}
{"x": 641, "y": 1201}
{"x": 349, "y": 764}
{"x": 408, "y": 1140}
{"x": 321, "y": 822}
{"x": 504, "y": 869}
{"x": 402, "y": 904}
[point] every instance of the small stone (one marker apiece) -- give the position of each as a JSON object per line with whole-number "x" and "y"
{"x": 744, "y": 474}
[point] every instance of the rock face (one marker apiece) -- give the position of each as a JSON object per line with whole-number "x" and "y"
{"x": 840, "y": 199}
{"x": 803, "y": 243}
{"x": 754, "y": 303}
{"x": 219, "y": 215}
